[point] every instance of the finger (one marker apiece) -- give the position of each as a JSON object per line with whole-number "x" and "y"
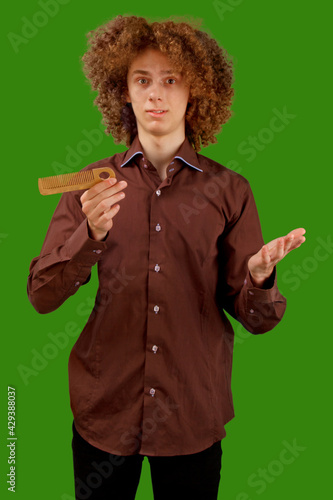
{"x": 271, "y": 245}
{"x": 97, "y": 188}
{"x": 101, "y": 190}
{"x": 297, "y": 232}
{"x": 108, "y": 193}
{"x": 299, "y": 242}
{"x": 105, "y": 222}
{"x": 280, "y": 252}
{"x": 289, "y": 241}
{"x": 91, "y": 203}
{"x": 265, "y": 255}
{"x": 105, "y": 205}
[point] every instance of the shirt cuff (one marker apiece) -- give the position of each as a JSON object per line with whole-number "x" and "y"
{"x": 263, "y": 295}
{"x": 82, "y": 249}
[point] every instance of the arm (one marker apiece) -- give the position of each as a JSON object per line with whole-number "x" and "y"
{"x": 73, "y": 244}
{"x": 257, "y": 308}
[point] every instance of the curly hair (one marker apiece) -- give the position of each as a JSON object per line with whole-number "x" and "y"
{"x": 206, "y": 68}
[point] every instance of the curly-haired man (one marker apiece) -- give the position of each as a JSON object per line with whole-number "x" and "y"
{"x": 178, "y": 242}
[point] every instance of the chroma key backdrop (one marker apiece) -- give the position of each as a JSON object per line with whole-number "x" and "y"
{"x": 279, "y": 138}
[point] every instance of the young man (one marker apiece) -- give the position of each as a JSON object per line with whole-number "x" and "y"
{"x": 178, "y": 241}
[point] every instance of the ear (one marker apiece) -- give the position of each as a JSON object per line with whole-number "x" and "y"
{"x": 127, "y": 96}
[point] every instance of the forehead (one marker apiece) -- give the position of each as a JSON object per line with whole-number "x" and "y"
{"x": 152, "y": 61}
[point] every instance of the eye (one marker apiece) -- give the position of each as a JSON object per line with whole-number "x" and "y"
{"x": 171, "y": 80}
{"x": 142, "y": 81}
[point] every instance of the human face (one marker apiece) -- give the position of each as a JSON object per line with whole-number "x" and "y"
{"x": 159, "y": 95}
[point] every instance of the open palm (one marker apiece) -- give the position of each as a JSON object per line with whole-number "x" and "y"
{"x": 262, "y": 263}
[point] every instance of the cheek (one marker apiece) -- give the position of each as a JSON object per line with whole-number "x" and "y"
{"x": 182, "y": 100}
{"x": 139, "y": 96}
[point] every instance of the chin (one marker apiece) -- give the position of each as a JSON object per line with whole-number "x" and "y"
{"x": 158, "y": 131}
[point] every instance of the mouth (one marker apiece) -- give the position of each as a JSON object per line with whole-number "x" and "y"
{"x": 156, "y": 112}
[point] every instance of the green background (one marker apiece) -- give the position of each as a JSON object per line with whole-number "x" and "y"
{"x": 281, "y": 380}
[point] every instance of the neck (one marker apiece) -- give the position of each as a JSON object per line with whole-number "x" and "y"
{"x": 160, "y": 150}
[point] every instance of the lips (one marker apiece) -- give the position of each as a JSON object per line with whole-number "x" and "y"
{"x": 157, "y": 112}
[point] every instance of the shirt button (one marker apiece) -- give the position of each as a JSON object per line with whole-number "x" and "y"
{"x": 77, "y": 283}
{"x": 158, "y": 227}
{"x": 154, "y": 349}
{"x": 251, "y": 293}
{"x": 251, "y": 311}
{"x": 156, "y": 309}
{"x": 245, "y": 281}
{"x": 97, "y": 251}
{"x": 158, "y": 192}
{"x": 152, "y": 392}
{"x": 157, "y": 268}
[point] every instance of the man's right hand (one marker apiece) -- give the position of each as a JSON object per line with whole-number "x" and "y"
{"x": 100, "y": 205}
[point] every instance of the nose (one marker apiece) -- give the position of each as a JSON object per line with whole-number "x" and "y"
{"x": 153, "y": 98}
{"x": 155, "y": 94}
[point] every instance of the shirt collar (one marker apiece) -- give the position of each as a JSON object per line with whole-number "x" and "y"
{"x": 185, "y": 153}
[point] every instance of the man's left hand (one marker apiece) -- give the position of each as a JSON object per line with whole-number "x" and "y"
{"x": 262, "y": 263}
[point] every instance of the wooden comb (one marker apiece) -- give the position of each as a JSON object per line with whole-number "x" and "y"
{"x": 71, "y": 182}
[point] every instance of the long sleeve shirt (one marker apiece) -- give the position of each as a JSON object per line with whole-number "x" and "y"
{"x": 151, "y": 371}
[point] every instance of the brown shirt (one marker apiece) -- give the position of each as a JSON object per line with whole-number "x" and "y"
{"x": 151, "y": 371}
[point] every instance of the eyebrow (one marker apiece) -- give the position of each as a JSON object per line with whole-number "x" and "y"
{"x": 143, "y": 72}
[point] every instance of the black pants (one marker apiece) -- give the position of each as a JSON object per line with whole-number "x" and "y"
{"x": 102, "y": 476}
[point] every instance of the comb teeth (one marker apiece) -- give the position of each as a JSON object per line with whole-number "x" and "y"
{"x": 58, "y": 181}
{"x": 75, "y": 181}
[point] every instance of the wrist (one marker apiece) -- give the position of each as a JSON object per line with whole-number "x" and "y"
{"x": 96, "y": 235}
{"x": 264, "y": 282}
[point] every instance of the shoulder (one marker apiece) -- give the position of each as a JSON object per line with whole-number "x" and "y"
{"x": 113, "y": 161}
{"x": 227, "y": 178}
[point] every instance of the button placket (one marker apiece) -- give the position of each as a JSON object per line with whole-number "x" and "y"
{"x": 156, "y": 308}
